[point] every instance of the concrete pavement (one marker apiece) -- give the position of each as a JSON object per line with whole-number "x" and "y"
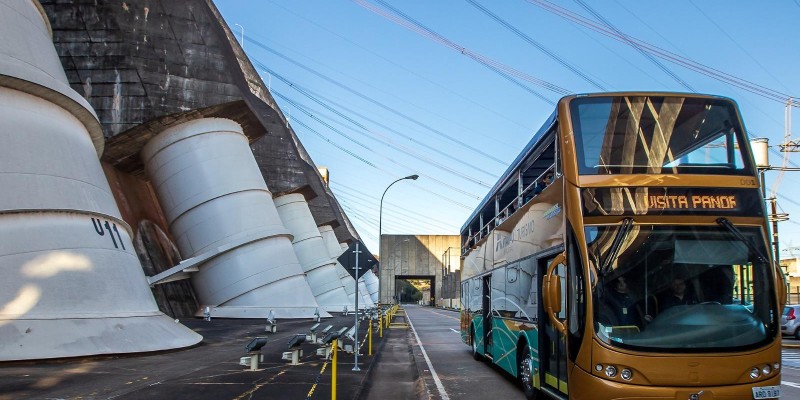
{"x": 210, "y": 370}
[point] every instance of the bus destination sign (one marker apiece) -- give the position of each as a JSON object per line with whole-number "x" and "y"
{"x": 684, "y": 202}
{"x": 671, "y": 201}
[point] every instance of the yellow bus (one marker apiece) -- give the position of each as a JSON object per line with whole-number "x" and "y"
{"x": 624, "y": 255}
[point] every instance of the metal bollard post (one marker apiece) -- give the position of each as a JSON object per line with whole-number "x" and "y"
{"x": 380, "y": 325}
{"x": 369, "y": 334}
{"x": 333, "y": 370}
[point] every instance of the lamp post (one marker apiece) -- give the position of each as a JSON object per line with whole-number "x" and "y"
{"x": 380, "y": 224}
{"x": 242, "y": 28}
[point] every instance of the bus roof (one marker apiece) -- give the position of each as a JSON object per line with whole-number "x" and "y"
{"x": 510, "y": 172}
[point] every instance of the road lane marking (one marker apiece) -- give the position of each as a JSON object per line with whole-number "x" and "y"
{"x": 455, "y": 330}
{"x": 438, "y": 313}
{"x": 439, "y": 386}
{"x": 792, "y": 384}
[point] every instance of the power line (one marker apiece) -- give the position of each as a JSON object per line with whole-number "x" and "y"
{"x": 743, "y": 50}
{"x": 360, "y": 194}
{"x": 508, "y": 72}
{"x": 384, "y": 142}
{"x": 408, "y": 70}
{"x": 332, "y": 143}
{"x": 537, "y": 45}
{"x": 388, "y": 215}
{"x": 429, "y": 177}
{"x": 390, "y": 129}
{"x": 436, "y": 194}
{"x": 379, "y": 104}
{"x": 671, "y": 57}
{"x": 635, "y": 46}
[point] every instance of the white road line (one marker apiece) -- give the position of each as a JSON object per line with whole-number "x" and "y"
{"x": 439, "y": 386}
{"x": 455, "y": 330}
{"x": 792, "y": 384}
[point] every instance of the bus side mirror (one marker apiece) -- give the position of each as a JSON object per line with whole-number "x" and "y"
{"x": 781, "y": 287}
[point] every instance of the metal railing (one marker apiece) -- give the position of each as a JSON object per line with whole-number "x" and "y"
{"x": 528, "y": 193}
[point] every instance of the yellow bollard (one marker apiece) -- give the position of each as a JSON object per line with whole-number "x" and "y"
{"x": 369, "y": 333}
{"x": 333, "y": 370}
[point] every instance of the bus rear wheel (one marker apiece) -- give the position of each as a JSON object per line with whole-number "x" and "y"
{"x": 526, "y": 373}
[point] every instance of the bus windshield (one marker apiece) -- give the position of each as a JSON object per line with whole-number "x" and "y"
{"x": 668, "y": 288}
{"x": 657, "y": 135}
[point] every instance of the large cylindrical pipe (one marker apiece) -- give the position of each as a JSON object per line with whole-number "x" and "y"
{"x": 219, "y": 209}
{"x": 72, "y": 284}
{"x": 364, "y": 292}
{"x": 372, "y": 285}
{"x": 348, "y": 281}
{"x": 320, "y": 268}
{"x": 332, "y": 244}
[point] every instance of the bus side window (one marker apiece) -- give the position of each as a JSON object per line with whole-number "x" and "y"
{"x": 499, "y": 299}
{"x": 520, "y": 277}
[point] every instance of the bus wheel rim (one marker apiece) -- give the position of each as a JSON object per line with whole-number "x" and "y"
{"x": 526, "y": 367}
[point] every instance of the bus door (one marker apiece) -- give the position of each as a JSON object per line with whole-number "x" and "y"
{"x": 486, "y": 310}
{"x": 553, "y": 349}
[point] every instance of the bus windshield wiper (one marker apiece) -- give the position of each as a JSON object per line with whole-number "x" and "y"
{"x": 725, "y": 223}
{"x": 627, "y": 224}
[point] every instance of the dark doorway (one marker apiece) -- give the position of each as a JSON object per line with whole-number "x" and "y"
{"x": 410, "y": 288}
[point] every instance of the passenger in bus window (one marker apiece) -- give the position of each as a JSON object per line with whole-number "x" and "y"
{"x": 623, "y": 304}
{"x": 543, "y": 184}
{"x": 677, "y": 295}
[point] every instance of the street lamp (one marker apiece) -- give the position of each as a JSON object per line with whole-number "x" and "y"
{"x": 242, "y": 28}
{"x": 380, "y": 224}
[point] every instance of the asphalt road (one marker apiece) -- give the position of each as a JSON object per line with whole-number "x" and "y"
{"x": 790, "y": 376}
{"x": 451, "y": 373}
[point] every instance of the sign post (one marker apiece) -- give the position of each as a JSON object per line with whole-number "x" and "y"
{"x": 355, "y": 335}
{"x": 357, "y": 260}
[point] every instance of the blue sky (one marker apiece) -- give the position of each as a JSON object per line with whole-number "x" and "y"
{"x": 375, "y": 95}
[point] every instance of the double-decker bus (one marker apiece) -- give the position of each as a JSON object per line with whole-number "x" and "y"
{"x": 624, "y": 255}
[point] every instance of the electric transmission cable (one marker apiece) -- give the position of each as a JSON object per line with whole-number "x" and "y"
{"x": 635, "y": 46}
{"x": 385, "y": 142}
{"x": 671, "y": 57}
{"x": 404, "y": 20}
{"x": 379, "y": 104}
{"x": 537, "y": 45}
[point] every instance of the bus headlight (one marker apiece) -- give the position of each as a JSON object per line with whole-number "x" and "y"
{"x": 611, "y": 371}
{"x": 755, "y": 373}
{"x": 598, "y": 367}
{"x": 626, "y": 374}
{"x": 766, "y": 369}
{"x": 776, "y": 366}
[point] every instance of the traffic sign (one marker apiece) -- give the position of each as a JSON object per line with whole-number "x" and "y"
{"x": 365, "y": 259}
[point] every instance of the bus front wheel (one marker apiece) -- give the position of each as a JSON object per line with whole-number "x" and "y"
{"x": 526, "y": 373}
{"x": 475, "y": 354}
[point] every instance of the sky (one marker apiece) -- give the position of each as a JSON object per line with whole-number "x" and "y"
{"x": 452, "y": 90}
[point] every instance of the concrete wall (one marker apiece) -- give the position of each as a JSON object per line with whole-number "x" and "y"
{"x": 413, "y": 255}
{"x": 148, "y": 65}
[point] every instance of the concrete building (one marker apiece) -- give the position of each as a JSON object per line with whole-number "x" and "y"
{"x": 417, "y": 257}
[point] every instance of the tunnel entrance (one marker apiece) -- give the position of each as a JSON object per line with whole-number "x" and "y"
{"x": 417, "y": 289}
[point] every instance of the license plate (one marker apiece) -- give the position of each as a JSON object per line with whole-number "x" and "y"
{"x": 767, "y": 392}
